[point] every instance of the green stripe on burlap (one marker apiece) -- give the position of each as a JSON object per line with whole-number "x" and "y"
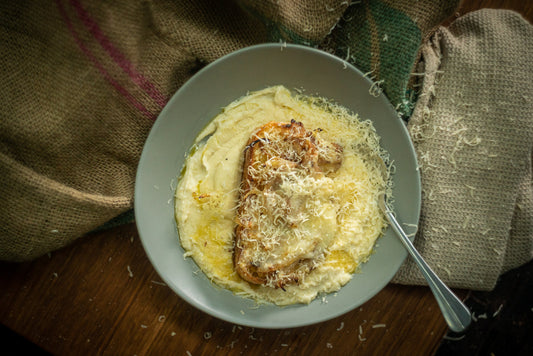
{"x": 383, "y": 42}
{"x": 381, "y": 38}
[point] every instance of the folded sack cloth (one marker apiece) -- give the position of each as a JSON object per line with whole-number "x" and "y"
{"x": 83, "y": 82}
{"x": 473, "y": 132}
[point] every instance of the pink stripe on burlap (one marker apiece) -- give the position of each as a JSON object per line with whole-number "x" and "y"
{"x": 117, "y": 56}
{"x": 100, "y": 68}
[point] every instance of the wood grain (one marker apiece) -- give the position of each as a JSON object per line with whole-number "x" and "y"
{"x": 83, "y": 300}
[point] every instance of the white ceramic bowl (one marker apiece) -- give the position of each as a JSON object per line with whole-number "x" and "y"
{"x": 196, "y": 103}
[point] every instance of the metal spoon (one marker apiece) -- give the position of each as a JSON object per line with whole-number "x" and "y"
{"x": 455, "y": 312}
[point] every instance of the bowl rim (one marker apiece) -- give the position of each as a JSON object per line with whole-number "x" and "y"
{"x": 139, "y": 200}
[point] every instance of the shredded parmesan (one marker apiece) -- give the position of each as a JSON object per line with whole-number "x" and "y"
{"x": 376, "y": 89}
{"x": 466, "y": 222}
{"x": 332, "y": 220}
{"x": 497, "y": 311}
{"x": 158, "y": 283}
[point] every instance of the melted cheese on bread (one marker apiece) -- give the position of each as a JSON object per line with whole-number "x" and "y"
{"x": 340, "y": 207}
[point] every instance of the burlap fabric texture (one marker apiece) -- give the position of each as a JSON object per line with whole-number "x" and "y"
{"x": 473, "y": 132}
{"x": 84, "y": 81}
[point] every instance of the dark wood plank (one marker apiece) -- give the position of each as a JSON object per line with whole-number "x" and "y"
{"x": 503, "y": 319}
{"x": 82, "y": 299}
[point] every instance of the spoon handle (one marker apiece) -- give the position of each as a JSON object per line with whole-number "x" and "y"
{"x": 456, "y": 314}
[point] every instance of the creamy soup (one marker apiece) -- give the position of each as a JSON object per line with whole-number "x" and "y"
{"x": 341, "y": 207}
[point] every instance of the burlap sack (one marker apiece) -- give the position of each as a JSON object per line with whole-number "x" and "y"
{"x": 82, "y": 85}
{"x": 383, "y": 39}
{"x": 83, "y": 82}
{"x": 473, "y": 132}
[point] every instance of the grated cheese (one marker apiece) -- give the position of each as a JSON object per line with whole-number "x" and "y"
{"x": 376, "y": 89}
{"x": 158, "y": 283}
{"x": 340, "y": 208}
{"x": 497, "y": 311}
{"x": 471, "y": 188}
{"x": 466, "y": 222}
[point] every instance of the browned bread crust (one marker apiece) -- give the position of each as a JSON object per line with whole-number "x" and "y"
{"x": 274, "y": 149}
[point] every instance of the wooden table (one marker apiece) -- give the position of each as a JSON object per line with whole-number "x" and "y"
{"x": 102, "y": 296}
{"x": 84, "y": 300}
